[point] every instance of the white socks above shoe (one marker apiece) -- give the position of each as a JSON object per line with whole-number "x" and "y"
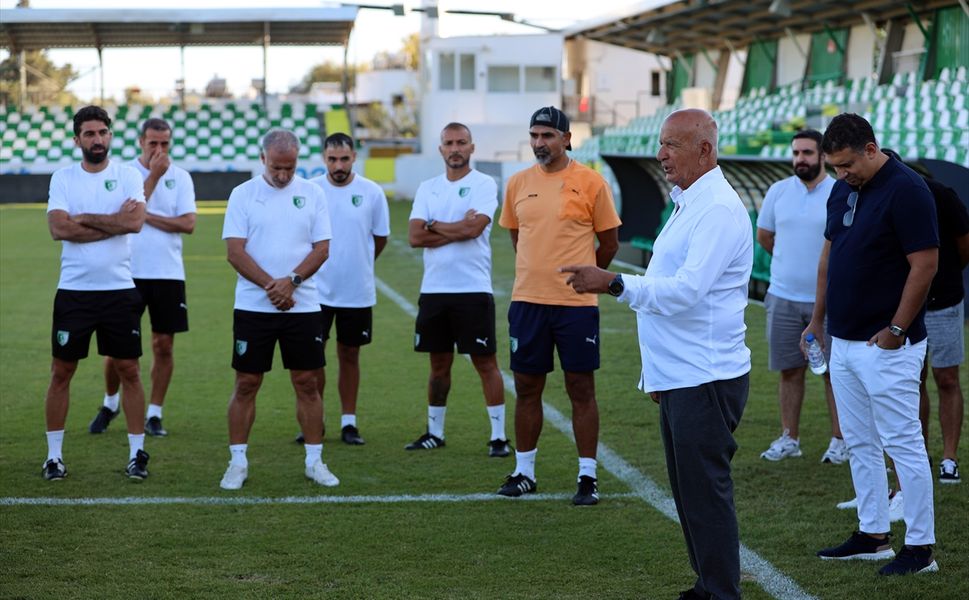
{"x": 314, "y": 452}
{"x": 525, "y": 463}
{"x": 497, "y": 416}
{"x": 55, "y": 442}
{"x": 435, "y": 420}
{"x": 153, "y": 411}
{"x": 112, "y": 402}
{"x": 237, "y": 455}
{"x": 136, "y": 442}
{"x": 348, "y": 421}
{"x": 587, "y": 467}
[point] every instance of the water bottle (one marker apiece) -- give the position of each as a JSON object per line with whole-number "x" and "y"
{"x": 815, "y": 355}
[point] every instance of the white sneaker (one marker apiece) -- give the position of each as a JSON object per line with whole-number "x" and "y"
{"x": 321, "y": 475}
{"x": 234, "y": 477}
{"x": 781, "y": 448}
{"x": 836, "y": 453}
{"x": 853, "y": 503}
{"x": 896, "y": 507}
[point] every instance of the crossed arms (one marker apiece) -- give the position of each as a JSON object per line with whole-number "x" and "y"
{"x": 87, "y": 227}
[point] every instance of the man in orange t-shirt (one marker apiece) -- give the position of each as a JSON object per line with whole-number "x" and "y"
{"x": 555, "y": 212}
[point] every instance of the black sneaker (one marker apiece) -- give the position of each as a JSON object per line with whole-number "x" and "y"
{"x": 517, "y": 485}
{"x": 138, "y": 466}
{"x": 949, "y": 471}
{"x": 153, "y": 426}
{"x": 54, "y": 470}
{"x": 692, "y": 594}
{"x": 911, "y": 559}
{"x": 300, "y": 439}
{"x": 587, "y": 493}
{"x": 351, "y": 435}
{"x": 102, "y": 419}
{"x": 860, "y": 546}
{"x": 425, "y": 442}
{"x": 499, "y": 448}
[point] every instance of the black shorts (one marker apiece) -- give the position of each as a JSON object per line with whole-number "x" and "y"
{"x": 537, "y": 329}
{"x": 114, "y": 314}
{"x": 444, "y": 320}
{"x": 165, "y": 300}
{"x": 300, "y": 337}
{"x": 354, "y": 326}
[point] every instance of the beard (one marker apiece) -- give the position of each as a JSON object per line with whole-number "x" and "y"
{"x": 807, "y": 172}
{"x": 457, "y": 161}
{"x": 339, "y": 176}
{"x": 95, "y": 154}
{"x": 543, "y": 156}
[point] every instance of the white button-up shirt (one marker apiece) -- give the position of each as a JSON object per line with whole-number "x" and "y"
{"x": 690, "y": 303}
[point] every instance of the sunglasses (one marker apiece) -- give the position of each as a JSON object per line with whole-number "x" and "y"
{"x": 849, "y": 217}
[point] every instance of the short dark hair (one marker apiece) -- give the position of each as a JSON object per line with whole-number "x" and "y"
{"x": 155, "y": 124}
{"x": 90, "y": 113}
{"x": 809, "y": 134}
{"x": 456, "y": 125}
{"x": 847, "y": 130}
{"x": 338, "y": 140}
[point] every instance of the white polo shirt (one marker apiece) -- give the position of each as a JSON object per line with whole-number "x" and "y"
{"x": 157, "y": 254}
{"x": 690, "y": 303}
{"x": 358, "y": 211}
{"x": 105, "y": 264}
{"x": 280, "y": 227}
{"x": 797, "y": 216}
{"x": 458, "y": 267}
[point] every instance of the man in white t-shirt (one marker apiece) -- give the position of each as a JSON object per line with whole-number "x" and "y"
{"x": 360, "y": 219}
{"x": 790, "y": 227}
{"x": 92, "y": 207}
{"x": 156, "y": 265}
{"x": 451, "y": 220}
{"x": 277, "y": 234}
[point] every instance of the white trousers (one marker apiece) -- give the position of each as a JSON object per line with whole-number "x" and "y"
{"x": 877, "y": 394}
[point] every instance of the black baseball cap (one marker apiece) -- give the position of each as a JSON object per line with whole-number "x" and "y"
{"x": 549, "y": 116}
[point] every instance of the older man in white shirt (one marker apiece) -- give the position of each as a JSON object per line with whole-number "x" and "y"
{"x": 690, "y": 311}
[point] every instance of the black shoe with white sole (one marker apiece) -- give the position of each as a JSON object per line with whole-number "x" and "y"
{"x": 517, "y": 485}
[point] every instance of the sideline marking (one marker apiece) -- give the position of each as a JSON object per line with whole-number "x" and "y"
{"x": 765, "y": 574}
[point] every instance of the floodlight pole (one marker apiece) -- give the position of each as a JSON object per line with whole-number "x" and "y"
{"x": 346, "y": 87}
{"x": 265, "y": 66}
{"x": 101, "y": 72}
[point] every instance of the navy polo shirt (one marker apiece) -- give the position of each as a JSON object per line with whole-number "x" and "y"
{"x": 867, "y": 265}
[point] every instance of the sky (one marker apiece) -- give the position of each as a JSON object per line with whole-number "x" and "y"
{"x": 374, "y": 31}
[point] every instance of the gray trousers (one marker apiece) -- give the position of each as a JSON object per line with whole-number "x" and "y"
{"x": 697, "y": 424}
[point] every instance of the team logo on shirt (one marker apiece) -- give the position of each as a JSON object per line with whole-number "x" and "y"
{"x": 110, "y": 184}
{"x": 170, "y": 184}
{"x": 241, "y": 346}
{"x": 299, "y": 201}
{"x": 356, "y": 199}
{"x": 63, "y": 337}
{"x": 464, "y": 191}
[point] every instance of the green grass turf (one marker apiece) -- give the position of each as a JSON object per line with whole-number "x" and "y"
{"x": 480, "y": 549}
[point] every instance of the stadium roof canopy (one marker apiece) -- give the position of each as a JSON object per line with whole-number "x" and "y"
{"x": 688, "y": 26}
{"x": 37, "y": 29}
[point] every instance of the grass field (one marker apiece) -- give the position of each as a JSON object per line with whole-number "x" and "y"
{"x": 401, "y": 524}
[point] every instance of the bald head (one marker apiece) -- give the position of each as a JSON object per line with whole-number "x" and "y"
{"x": 688, "y": 146}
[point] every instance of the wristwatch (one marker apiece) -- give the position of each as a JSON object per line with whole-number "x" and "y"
{"x": 616, "y": 286}
{"x": 896, "y": 331}
{"x": 429, "y": 224}
{"x": 295, "y": 279}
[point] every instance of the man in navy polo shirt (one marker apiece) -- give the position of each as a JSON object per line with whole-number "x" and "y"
{"x": 879, "y": 258}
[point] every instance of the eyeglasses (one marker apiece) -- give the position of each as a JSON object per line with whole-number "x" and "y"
{"x": 849, "y": 217}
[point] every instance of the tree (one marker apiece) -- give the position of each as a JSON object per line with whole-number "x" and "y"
{"x": 411, "y": 49}
{"x": 46, "y": 82}
{"x": 325, "y": 71}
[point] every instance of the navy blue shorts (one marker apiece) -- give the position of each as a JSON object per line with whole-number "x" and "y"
{"x": 537, "y": 329}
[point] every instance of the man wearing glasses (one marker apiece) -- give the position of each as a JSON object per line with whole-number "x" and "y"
{"x": 879, "y": 258}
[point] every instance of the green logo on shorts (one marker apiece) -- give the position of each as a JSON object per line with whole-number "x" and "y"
{"x": 241, "y": 346}
{"x": 356, "y": 199}
{"x": 63, "y": 337}
{"x": 464, "y": 191}
{"x": 514, "y": 344}
{"x": 170, "y": 184}
{"x": 299, "y": 201}
{"x": 110, "y": 184}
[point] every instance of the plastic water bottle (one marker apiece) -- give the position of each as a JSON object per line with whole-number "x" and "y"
{"x": 815, "y": 355}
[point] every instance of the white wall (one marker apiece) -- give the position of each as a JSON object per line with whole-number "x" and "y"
{"x": 790, "y": 62}
{"x": 861, "y": 52}
{"x": 381, "y": 86}
{"x": 735, "y": 78}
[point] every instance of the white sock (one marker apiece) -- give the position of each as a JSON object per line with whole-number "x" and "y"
{"x": 587, "y": 467}
{"x": 237, "y": 455}
{"x": 348, "y": 421}
{"x": 136, "y": 442}
{"x": 55, "y": 442}
{"x": 153, "y": 411}
{"x": 525, "y": 463}
{"x": 435, "y": 420}
{"x": 314, "y": 452}
{"x": 497, "y": 416}
{"x": 113, "y": 401}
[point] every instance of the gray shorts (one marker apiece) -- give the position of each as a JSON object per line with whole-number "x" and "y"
{"x": 946, "y": 341}
{"x": 786, "y": 321}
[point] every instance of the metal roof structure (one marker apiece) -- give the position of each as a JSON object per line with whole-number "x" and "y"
{"x": 688, "y": 26}
{"x": 37, "y": 29}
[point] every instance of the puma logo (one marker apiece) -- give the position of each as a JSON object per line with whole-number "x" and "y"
{"x": 182, "y": 305}
{"x": 496, "y": 419}
{"x": 365, "y": 334}
{"x": 483, "y": 342}
{"x": 592, "y": 340}
{"x": 318, "y": 339}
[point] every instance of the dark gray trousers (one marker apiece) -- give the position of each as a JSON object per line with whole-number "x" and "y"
{"x": 697, "y": 424}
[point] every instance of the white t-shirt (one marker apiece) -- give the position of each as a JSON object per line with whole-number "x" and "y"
{"x": 458, "y": 267}
{"x": 157, "y": 254}
{"x": 797, "y": 217}
{"x": 358, "y": 211}
{"x": 105, "y": 264}
{"x": 280, "y": 227}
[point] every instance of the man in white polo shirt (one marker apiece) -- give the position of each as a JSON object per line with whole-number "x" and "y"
{"x": 277, "y": 235}
{"x": 93, "y": 206}
{"x": 451, "y": 220}
{"x": 790, "y": 227}
{"x": 360, "y": 219}
{"x": 156, "y": 265}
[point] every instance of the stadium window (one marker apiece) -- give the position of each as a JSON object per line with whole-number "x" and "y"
{"x": 446, "y": 71}
{"x": 467, "y": 72}
{"x": 654, "y": 88}
{"x": 503, "y": 79}
{"x": 540, "y": 79}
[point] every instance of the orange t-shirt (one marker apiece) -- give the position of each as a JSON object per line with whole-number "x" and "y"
{"x": 557, "y": 216}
